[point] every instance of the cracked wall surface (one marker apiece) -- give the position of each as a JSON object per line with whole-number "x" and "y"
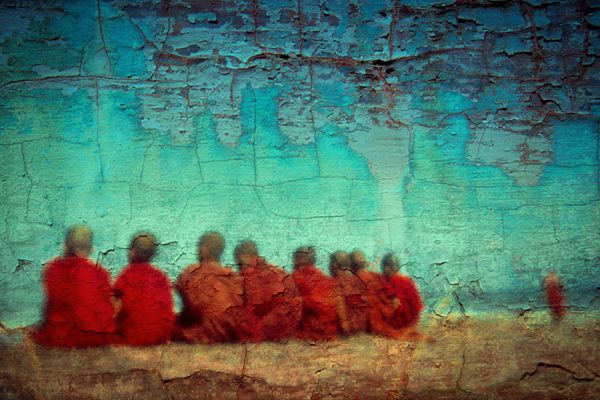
{"x": 462, "y": 135}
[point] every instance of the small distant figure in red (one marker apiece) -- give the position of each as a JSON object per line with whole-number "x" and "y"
{"x": 79, "y": 311}
{"x": 555, "y": 294}
{"x": 354, "y": 312}
{"x": 146, "y": 314}
{"x": 272, "y": 305}
{"x": 403, "y": 290}
{"x": 319, "y": 297}
{"x": 212, "y": 296}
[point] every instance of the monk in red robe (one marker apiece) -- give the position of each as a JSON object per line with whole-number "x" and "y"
{"x": 212, "y": 296}
{"x": 78, "y": 310}
{"x": 354, "y": 316}
{"x": 146, "y": 314}
{"x": 382, "y": 308}
{"x": 555, "y": 295}
{"x": 319, "y": 299}
{"x": 272, "y": 305}
{"x": 403, "y": 290}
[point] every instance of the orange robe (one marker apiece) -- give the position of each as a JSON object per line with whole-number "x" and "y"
{"x": 78, "y": 311}
{"x": 403, "y": 289}
{"x": 357, "y": 307}
{"x": 319, "y": 304}
{"x": 146, "y": 316}
{"x": 382, "y": 308}
{"x": 272, "y": 305}
{"x": 212, "y": 304}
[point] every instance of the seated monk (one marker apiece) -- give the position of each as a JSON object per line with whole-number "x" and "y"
{"x": 146, "y": 314}
{"x": 272, "y": 306}
{"x": 382, "y": 308}
{"x": 402, "y": 290}
{"x": 354, "y": 317}
{"x": 211, "y": 295}
{"x": 78, "y": 310}
{"x": 319, "y": 298}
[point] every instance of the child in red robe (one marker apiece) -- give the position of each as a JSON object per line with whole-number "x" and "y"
{"x": 402, "y": 289}
{"x": 272, "y": 306}
{"x": 354, "y": 315}
{"x": 78, "y": 310}
{"x": 146, "y": 314}
{"x": 212, "y": 296}
{"x": 319, "y": 299}
{"x": 555, "y": 295}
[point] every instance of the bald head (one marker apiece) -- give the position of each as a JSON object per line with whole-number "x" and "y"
{"x": 142, "y": 248}
{"x": 246, "y": 254}
{"x": 390, "y": 264}
{"x": 357, "y": 260}
{"x": 338, "y": 262}
{"x": 211, "y": 246}
{"x": 304, "y": 255}
{"x": 78, "y": 241}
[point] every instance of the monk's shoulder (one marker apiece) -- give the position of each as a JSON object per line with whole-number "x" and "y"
{"x": 274, "y": 272}
{"x": 54, "y": 270}
{"x": 53, "y": 265}
{"x": 189, "y": 274}
{"x": 401, "y": 280}
{"x": 91, "y": 269}
{"x": 157, "y": 272}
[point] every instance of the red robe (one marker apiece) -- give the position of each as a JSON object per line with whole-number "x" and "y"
{"x": 78, "y": 311}
{"x": 354, "y": 293}
{"x": 382, "y": 308}
{"x": 146, "y": 316}
{"x": 212, "y": 304}
{"x": 403, "y": 289}
{"x": 319, "y": 304}
{"x": 273, "y": 307}
{"x": 555, "y": 296}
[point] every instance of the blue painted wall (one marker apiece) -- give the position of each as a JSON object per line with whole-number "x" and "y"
{"x": 462, "y": 136}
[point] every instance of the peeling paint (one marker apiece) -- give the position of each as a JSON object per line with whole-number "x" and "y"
{"x": 461, "y": 135}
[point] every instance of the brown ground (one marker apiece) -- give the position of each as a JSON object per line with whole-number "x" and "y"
{"x": 511, "y": 357}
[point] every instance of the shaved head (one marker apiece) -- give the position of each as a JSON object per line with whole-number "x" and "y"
{"x": 211, "y": 246}
{"x": 78, "y": 241}
{"x": 246, "y": 254}
{"x": 142, "y": 248}
{"x": 339, "y": 261}
{"x": 246, "y": 248}
{"x": 357, "y": 260}
{"x": 390, "y": 264}
{"x": 304, "y": 255}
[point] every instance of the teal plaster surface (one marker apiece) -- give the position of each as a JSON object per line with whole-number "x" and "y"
{"x": 462, "y": 136}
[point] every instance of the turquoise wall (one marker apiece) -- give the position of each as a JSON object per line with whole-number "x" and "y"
{"x": 464, "y": 137}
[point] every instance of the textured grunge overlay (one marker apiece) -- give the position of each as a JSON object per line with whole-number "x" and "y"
{"x": 461, "y": 135}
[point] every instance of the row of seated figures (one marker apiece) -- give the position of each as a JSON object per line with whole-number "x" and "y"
{"x": 261, "y": 302}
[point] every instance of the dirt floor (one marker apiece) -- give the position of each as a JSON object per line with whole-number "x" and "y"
{"x": 478, "y": 357}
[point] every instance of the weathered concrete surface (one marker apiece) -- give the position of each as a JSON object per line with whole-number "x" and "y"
{"x": 493, "y": 356}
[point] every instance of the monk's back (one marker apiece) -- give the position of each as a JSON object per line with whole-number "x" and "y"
{"x": 382, "y": 307}
{"x": 408, "y": 295}
{"x": 354, "y": 291}
{"x": 78, "y": 311}
{"x": 212, "y": 299}
{"x": 209, "y": 288}
{"x": 273, "y": 307}
{"x": 146, "y": 316}
{"x": 319, "y": 313}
